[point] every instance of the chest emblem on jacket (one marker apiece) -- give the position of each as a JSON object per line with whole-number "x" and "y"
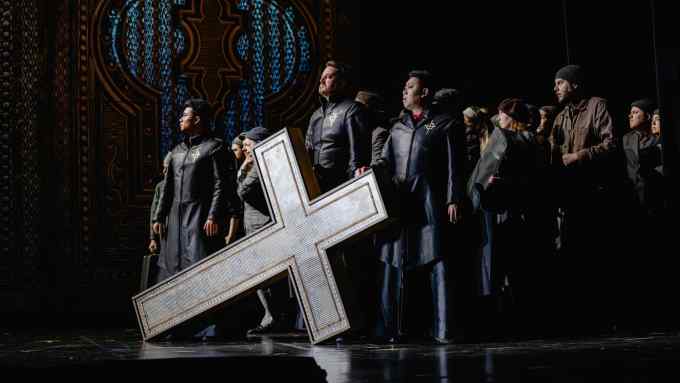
{"x": 194, "y": 154}
{"x": 331, "y": 118}
{"x": 429, "y": 126}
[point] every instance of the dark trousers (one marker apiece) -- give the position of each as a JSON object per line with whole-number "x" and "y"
{"x": 397, "y": 302}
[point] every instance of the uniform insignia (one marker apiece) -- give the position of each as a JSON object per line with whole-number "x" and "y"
{"x": 195, "y": 153}
{"x": 332, "y": 117}
{"x": 431, "y": 125}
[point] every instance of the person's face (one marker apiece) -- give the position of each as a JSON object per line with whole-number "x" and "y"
{"x": 504, "y": 121}
{"x": 238, "y": 152}
{"x": 656, "y": 124}
{"x": 189, "y": 120}
{"x": 329, "y": 84}
{"x": 248, "y": 146}
{"x": 413, "y": 93}
{"x": 637, "y": 118}
{"x": 563, "y": 90}
{"x": 467, "y": 121}
{"x": 544, "y": 120}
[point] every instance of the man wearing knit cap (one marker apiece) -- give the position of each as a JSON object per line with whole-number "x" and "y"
{"x": 583, "y": 146}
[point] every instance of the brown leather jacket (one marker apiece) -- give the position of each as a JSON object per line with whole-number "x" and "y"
{"x": 584, "y": 128}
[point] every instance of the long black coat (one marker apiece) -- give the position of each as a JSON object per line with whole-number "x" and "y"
{"x": 199, "y": 184}
{"x": 425, "y": 163}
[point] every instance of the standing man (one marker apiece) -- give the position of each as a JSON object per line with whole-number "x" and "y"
{"x": 643, "y": 157}
{"x": 420, "y": 155}
{"x": 338, "y": 137}
{"x": 583, "y": 147}
{"x": 339, "y": 145}
{"x": 197, "y": 194}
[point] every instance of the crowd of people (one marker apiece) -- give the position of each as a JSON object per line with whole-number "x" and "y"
{"x": 499, "y": 213}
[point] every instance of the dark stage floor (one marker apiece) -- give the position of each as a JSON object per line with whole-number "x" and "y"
{"x": 117, "y": 353}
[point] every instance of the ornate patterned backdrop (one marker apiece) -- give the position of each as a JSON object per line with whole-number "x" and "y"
{"x": 21, "y": 68}
{"x": 119, "y": 72}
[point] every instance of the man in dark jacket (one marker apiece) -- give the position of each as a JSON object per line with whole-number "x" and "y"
{"x": 197, "y": 194}
{"x": 643, "y": 158}
{"x": 375, "y": 115}
{"x": 338, "y": 137}
{"x": 338, "y": 142}
{"x": 584, "y": 148}
{"x": 420, "y": 155}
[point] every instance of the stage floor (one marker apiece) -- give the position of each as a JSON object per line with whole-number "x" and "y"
{"x": 612, "y": 359}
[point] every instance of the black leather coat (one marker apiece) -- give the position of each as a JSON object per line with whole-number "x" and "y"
{"x": 338, "y": 141}
{"x": 425, "y": 162}
{"x": 200, "y": 183}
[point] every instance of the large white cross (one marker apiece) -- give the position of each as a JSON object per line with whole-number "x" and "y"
{"x": 304, "y": 225}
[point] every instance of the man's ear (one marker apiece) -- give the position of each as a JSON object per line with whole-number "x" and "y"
{"x": 197, "y": 120}
{"x": 424, "y": 92}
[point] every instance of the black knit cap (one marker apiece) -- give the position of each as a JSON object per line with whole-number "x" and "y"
{"x": 645, "y": 104}
{"x": 257, "y": 134}
{"x": 515, "y": 108}
{"x": 572, "y": 73}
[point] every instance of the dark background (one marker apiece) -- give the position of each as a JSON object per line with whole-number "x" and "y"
{"x": 493, "y": 50}
{"x": 61, "y": 274}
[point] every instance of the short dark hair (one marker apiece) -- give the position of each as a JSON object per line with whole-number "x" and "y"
{"x": 200, "y": 108}
{"x": 426, "y": 80}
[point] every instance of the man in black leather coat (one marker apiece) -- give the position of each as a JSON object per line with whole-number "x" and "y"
{"x": 423, "y": 159}
{"x": 199, "y": 190}
{"x": 338, "y": 137}
{"x": 338, "y": 142}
